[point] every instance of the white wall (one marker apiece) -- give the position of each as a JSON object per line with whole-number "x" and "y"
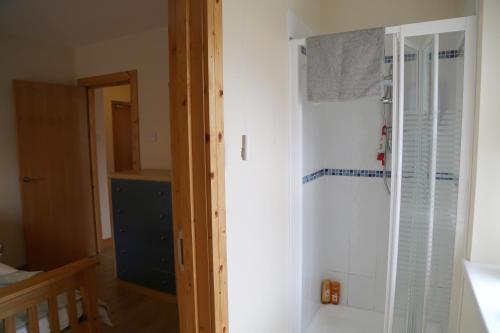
{"x": 346, "y": 15}
{"x": 256, "y": 95}
{"x": 328, "y": 16}
{"x": 297, "y": 28}
{"x": 23, "y": 60}
{"x": 485, "y": 247}
{"x": 309, "y": 12}
{"x": 148, "y": 53}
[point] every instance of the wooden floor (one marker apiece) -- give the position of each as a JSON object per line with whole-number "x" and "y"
{"x": 129, "y": 310}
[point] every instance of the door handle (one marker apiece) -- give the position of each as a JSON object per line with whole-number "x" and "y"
{"x": 31, "y": 179}
{"x": 180, "y": 250}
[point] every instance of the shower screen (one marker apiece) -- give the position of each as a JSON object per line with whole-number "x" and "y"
{"x": 431, "y": 122}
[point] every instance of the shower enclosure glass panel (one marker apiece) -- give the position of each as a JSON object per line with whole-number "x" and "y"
{"x": 433, "y": 81}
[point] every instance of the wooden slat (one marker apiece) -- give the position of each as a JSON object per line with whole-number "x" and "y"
{"x": 93, "y": 158}
{"x": 72, "y": 310}
{"x": 53, "y": 315}
{"x": 200, "y": 170}
{"x": 33, "y": 324}
{"x": 197, "y": 137}
{"x": 216, "y": 163}
{"x": 180, "y": 108}
{"x": 10, "y": 324}
{"x": 89, "y": 299}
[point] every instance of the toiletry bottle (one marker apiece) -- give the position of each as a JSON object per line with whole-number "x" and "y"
{"x": 335, "y": 292}
{"x": 325, "y": 292}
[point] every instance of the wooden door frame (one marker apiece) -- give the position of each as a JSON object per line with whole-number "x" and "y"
{"x": 102, "y": 81}
{"x": 197, "y": 139}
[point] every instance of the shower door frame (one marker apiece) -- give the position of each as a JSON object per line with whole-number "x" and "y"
{"x": 462, "y": 236}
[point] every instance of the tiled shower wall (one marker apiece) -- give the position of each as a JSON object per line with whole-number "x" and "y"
{"x": 346, "y": 217}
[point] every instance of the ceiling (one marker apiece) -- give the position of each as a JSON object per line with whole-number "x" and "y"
{"x": 79, "y": 22}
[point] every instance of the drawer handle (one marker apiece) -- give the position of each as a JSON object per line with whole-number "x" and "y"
{"x": 162, "y": 216}
{"x": 163, "y": 238}
{"x": 122, "y": 230}
{"x": 118, "y": 189}
{"x": 160, "y": 193}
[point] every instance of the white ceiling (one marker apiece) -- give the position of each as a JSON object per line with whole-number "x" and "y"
{"x": 79, "y": 22}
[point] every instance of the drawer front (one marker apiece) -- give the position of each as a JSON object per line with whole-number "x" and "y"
{"x": 146, "y": 239}
{"x": 155, "y": 258}
{"x": 142, "y": 204}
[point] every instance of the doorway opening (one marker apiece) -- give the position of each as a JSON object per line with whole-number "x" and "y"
{"x": 114, "y": 139}
{"x": 122, "y": 125}
{"x": 133, "y": 211}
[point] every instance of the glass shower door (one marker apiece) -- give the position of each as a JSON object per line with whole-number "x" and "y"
{"x": 431, "y": 114}
{"x": 415, "y": 225}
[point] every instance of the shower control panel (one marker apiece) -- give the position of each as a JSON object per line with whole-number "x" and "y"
{"x": 382, "y": 146}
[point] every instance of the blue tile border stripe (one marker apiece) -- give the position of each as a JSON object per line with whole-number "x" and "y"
{"x": 345, "y": 173}
{"x": 363, "y": 173}
{"x": 448, "y": 54}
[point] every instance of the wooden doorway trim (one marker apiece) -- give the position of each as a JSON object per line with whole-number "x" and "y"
{"x": 101, "y": 81}
{"x": 197, "y": 137}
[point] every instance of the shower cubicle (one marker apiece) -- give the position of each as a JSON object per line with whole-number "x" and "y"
{"x": 392, "y": 230}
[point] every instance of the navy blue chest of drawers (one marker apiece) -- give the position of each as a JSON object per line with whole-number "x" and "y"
{"x": 143, "y": 232}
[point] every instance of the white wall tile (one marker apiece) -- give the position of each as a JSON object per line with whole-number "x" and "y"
{"x": 337, "y": 195}
{"x": 379, "y": 301}
{"x": 361, "y": 292}
{"x": 363, "y": 230}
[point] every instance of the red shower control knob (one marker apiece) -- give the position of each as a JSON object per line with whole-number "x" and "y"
{"x": 381, "y": 158}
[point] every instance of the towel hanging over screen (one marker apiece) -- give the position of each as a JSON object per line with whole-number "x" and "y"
{"x": 345, "y": 66}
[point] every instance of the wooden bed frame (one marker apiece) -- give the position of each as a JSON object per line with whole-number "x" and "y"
{"x": 25, "y": 295}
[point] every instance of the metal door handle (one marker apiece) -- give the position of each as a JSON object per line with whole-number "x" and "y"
{"x": 180, "y": 250}
{"x": 31, "y": 179}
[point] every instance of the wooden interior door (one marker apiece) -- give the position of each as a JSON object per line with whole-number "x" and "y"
{"x": 122, "y": 136}
{"x": 55, "y": 173}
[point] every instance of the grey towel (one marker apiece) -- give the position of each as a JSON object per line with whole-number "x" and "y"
{"x": 345, "y": 66}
